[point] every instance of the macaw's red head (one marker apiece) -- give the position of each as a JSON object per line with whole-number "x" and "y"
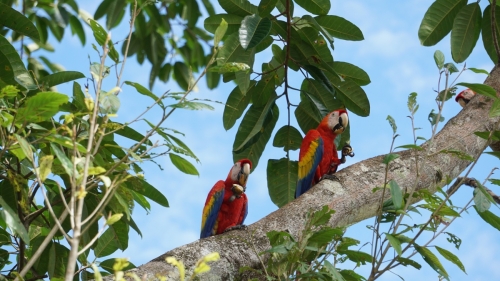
{"x": 464, "y": 97}
{"x": 336, "y": 121}
{"x": 240, "y": 171}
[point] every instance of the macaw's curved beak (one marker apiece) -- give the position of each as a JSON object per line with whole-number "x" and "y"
{"x": 243, "y": 174}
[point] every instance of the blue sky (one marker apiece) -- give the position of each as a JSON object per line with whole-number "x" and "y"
{"x": 397, "y": 64}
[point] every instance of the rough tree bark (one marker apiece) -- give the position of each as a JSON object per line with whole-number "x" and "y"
{"x": 351, "y": 197}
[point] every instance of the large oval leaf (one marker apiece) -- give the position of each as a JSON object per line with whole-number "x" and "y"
{"x": 339, "y": 27}
{"x": 465, "y": 32}
{"x": 319, "y": 93}
{"x": 238, "y": 7}
{"x": 438, "y": 20}
{"x": 282, "y": 180}
{"x": 317, "y": 7}
{"x": 350, "y": 71}
{"x": 253, "y": 30}
{"x": 11, "y": 63}
{"x": 18, "y": 22}
{"x": 232, "y": 51}
{"x": 254, "y": 148}
{"x": 236, "y": 103}
{"x": 266, "y": 6}
{"x": 253, "y": 121}
{"x": 353, "y": 96}
{"x": 487, "y": 34}
{"x": 233, "y": 23}
{"x": 307, "y": 115}
{"x": 40, "y": 107}
{"x": 287, "y": 137}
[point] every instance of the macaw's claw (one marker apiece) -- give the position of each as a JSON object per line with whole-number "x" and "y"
{"x": 236, "y": 227}
{"x": 346, "y": 151}
{"x": 330, "y": 177}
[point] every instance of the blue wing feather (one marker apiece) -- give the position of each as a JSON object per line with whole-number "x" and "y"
{"x": 311, "y": 155}
{"x": 211, "y": 210}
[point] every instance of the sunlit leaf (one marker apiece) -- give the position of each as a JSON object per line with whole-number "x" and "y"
{"x": 432, "y": 260}
{"x": 40, "y": 107}
{"x": 481, "y": 89}
{"x": 451, "y": 257}
{"x": 12, "y": 220}
{"x": 340, "y": 28}
{"x": 183, "y": 165}
{"x": 12, "y": 64}
{"x": 395, "y": 243}
{"x": 439, "y": 59}
{"x": 233, "y": 23}
{"x": 60, "y": 77}
{"x": 317, "y": 7}
{"x": 238, "y": 7}
{"x": 253, "y": 30}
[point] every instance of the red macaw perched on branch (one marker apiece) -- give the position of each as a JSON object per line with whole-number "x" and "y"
{"x": 227, "y": 205}
{"x": 318, "y": 155}
{"x": 464, "y": 97}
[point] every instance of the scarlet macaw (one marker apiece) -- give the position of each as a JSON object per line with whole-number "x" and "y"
{"x": 226, "y": 206}
{"x": 318, "y": 154}
{"x": 464, "y": 97}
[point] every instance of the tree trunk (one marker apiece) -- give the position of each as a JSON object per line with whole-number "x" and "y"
{"x": 351, "y": 197}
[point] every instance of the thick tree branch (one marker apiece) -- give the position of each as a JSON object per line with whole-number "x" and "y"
{"x": 352, "y": 197}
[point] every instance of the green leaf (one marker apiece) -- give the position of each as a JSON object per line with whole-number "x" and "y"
{"x": 318, "y": 93}
{"x": 432, "y": 260}
{"x": 181, "y": 75}
{"x": 16, "y": 21}
{"x": 392, "y": 122}
{"x": 108, "y": 265}
{"x": 253, "y": 30}
{"x": 10, "y": 217}
{"x": 323, "y": 236}
{"x": 451, "y": 67}
{"x": 439, "y": 59}
{"x": 438, "y": 20}
{"x": 333, "y": 271}
{"x": 144, "y": 91}
{"x": 25, "y": 146}
{"x": 433, "y": 118}
{"x": 465, "y": 32}
{"x": 485, "y": 192}
{"x": 77, "y": 28}
{"x": 192, "y": 105}
{"x": 481, "y": 89}
{"x": 101, "y": 36}
{"x": 109, "y": 103}
{"x": 11, "y": 63}
{"x": 183, "y": 165}
{"x": 220, "y": 32}
{"x": 66, "y": 142}
{"x": 308, "y": 117}
{"x": 266, "y": 6}
{"x": 107, "y": 243}
{"x": 233, "y": 23}
{"x": 410, "y": 146}
{"x": 412, "y": 103}
{"x": 396, "y": 195}
{"x": 287, "y": 137}
{"x": 59, "y": 78}
{"x": 478, "y": 70}
{"x": 254, "y": 148}
{"x": 40, "y": 107}
{"x": 143, "y": 187}
{"x": 490, "y": 218}
{"x": 282, "y": 180}
{"x": 253, "y": 121}
{"x": 353, "y": 96}
{"x": 451, "y": 257}
{"x": 340, "y": 28}
{"x": 487, "y": 33}
{"x": 395, "y": 243}
{"x": 405, "y": 262}
{"x": 238, "y": 7}
{"x": 350, "y": 71}
{"x": 388, "y": 158}
{"x": 317, "y": 7}
{"x": 66, "y": 163}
